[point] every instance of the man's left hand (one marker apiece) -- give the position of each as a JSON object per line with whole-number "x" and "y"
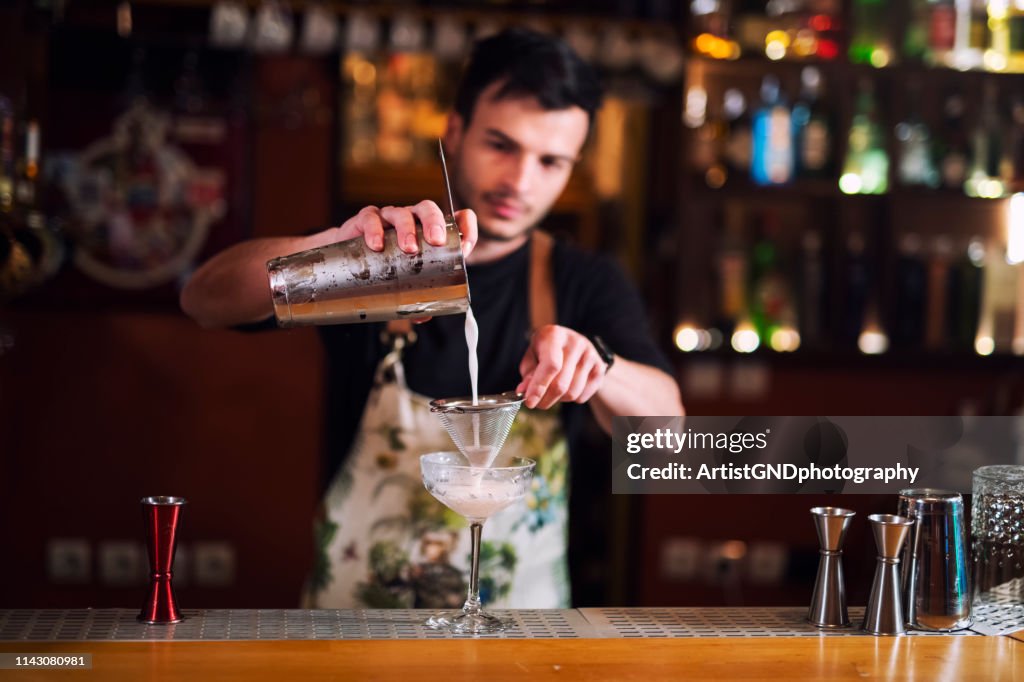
{"x": 560, "y": 365}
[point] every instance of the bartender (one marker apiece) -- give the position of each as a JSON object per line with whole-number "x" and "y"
{"x": 562, "y": 326}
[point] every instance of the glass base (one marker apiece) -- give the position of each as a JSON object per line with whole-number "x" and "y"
{"x": 461, "y": 623}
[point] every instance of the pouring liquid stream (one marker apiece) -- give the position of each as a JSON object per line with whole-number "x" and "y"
{"x": 478, "y": 456}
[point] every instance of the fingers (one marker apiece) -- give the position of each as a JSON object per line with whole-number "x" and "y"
{"x": 369, "y": 224}
{"x": 550, "y": 356}
{"x": 405, "y": 226}
{"x": 466, "y": 221}
{"x": 432, "y": 220}
{"x": 558, "y": 387}
{"x": 560, "y": 366}
{"x": 594, "y": 381}
{"x": 580, "y": 380}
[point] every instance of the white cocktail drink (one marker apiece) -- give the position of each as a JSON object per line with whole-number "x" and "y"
{"x": 475, "y": 493}
{"x": 479, "y": 500}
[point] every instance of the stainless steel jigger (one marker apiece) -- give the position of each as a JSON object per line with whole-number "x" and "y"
{"x": 828, "y": 604}
{"x": 161, "y": 515}
{"x": 884, "y": 613}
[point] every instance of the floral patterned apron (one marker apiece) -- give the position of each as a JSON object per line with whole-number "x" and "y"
{"x": 385, "y": 542}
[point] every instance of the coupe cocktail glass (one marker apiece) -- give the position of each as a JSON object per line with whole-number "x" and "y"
{"x": 476, "y": 493}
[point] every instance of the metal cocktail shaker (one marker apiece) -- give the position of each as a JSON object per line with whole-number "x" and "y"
{"x": 347, "y": 282}
{"x": 935, "y": 579}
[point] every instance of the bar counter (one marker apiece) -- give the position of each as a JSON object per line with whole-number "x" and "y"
{"x": 577, "y": 644}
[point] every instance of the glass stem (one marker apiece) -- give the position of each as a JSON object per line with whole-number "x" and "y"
{"x": 472, "y": 605}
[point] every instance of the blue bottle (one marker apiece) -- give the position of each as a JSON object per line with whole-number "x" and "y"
{"x": 772, "y": 159}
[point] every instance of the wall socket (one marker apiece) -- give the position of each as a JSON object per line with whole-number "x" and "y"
{"x": 680, "y": 559}
{"x": 766, "y": 562}
{"x": 122, "y": 563}
{"x": 69, "y": 561}
{"x": 213, "y": 564}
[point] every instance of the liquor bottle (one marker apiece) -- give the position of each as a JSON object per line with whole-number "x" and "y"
{"x": 866, "y": 168}
{"x": 973, "y": 37}
{"x": 30, "y": 226}
{"x": 1006, "y": 20}
{"x": 15, "y": 262}
{"x": 1015, "y": 29}
{"x": 813, "y": 286}
{"x": 1016, "y": 147}
{"x": 935, "y": 324}
{"x": 952, "y": 143}
{"x": 707, "y": 149}
{"x": 772, "y": 159}
{"x": 870, "y": 42}
{"x": 6, "y": 155}
{"x": 942, "y": 28}
{"x": 857, "y": 282}
{"x": 733, "y": 266}
{"x": 911, "y": 293}
{"x": 964, "y": 296}
{"x": 737, "y": 146}
{"x": 915, "y": 34}
{"x": 916, "y": 163}
{"x": 984, "y": 173}
{"x": 996, "y": 319}
{"x": 812, "y": 128}
{"x": 771, "y": 299}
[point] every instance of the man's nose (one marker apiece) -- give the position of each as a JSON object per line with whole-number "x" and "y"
{"x": 519, "y": 173}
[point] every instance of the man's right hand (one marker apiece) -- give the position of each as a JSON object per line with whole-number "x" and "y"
{"x": 371, "y": 222}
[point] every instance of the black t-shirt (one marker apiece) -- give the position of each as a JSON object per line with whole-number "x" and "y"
{"x": 593, "y": 297}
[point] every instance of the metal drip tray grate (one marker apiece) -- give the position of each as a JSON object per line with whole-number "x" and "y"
{"x": 342, "y": 624}
{"x": 266, "y": 624}
{"x": 719, "y": 622}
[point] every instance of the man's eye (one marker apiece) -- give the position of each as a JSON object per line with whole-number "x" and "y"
{"x": 553, "y": 164}
{"x": 500, "y": 146}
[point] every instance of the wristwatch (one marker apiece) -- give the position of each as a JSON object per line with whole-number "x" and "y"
{"x": 603, "y": 350}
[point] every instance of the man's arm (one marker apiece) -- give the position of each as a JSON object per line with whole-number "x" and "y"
{"x": 232, "y": 287}
{"x": 562, "y": 365}
{"x": 631, "y": 388}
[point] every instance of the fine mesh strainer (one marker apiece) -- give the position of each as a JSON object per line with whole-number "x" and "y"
{"x": 478, "y": 431}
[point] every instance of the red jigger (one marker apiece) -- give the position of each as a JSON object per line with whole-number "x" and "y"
{"x": 160, "y": 516}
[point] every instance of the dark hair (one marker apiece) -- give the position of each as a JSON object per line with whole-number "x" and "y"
{"x": 531, "y": 64}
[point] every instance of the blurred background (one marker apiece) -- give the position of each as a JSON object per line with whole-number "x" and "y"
{"x": 818, "y": 198}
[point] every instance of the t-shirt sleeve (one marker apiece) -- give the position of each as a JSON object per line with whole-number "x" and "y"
{"x": 611, "y": 307}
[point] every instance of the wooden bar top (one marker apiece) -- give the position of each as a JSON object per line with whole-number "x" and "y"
{"x": 993, "y": 659}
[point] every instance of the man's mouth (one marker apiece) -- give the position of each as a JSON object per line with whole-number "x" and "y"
{"x": 507, "y": 209}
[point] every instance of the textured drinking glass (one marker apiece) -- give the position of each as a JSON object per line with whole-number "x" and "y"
{"x": 476, "y": 493}
{"x": 997, "y": 534}
{"x": 347, "y": 282}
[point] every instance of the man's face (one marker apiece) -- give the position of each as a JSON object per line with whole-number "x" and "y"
{"x": 513, "y": 160}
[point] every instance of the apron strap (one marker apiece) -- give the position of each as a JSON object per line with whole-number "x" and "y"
{"x": 542, "y": 282}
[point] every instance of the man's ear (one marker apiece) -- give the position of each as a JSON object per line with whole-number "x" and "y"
{"x": 453, "y": 133}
